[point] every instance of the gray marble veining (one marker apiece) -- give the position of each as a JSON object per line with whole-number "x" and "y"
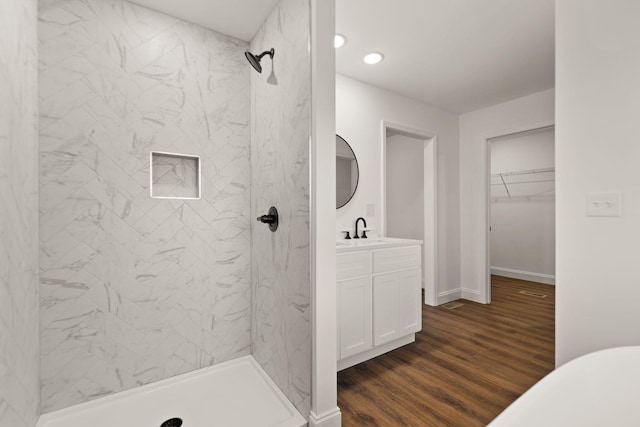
{"x": 19, "y": 343}
{"x": 135, "y": 289}
{"x": 280, "y": 126}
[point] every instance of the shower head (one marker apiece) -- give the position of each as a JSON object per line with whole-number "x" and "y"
{"x": 255, "y": 60}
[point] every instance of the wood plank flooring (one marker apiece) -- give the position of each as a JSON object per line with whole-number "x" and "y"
{"x": 466, "y": 365}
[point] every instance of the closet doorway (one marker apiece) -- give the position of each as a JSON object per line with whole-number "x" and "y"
{"x": 521, "y": 206}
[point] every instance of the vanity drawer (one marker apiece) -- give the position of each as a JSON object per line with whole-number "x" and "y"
{"x": 353, "y": 265}
{"x": 395, "y": 259}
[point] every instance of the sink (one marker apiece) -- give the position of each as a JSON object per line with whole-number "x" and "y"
{"x": 362, "y": 244}
{"x": 359, "y": 242}
{"x": 369, "y": 242}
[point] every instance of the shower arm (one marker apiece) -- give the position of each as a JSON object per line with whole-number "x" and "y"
{"x": 267, "y": 52}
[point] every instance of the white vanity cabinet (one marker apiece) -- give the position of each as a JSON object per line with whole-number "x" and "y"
{"x": 354, "y": 303}
{"x": 379, "y": 299}
{"x": 354, "y": 311}
{"x": 396, "y": 305}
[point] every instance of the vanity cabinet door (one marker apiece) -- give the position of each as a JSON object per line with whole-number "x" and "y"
{"x": 396, "y": 305}
{"x": 410, "y": 302}
{"x": 354, "y": 316}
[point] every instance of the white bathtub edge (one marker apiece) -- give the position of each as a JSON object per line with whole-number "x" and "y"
{"x": 519, "y": 411}
{"x": 296, "y": 419}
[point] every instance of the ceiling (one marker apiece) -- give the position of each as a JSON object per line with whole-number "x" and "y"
{"x": 458, "y": 55}
{"x": 237, "y": 18}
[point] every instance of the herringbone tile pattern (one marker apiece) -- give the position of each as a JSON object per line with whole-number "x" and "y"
{"x": 135, "y": 289}
{"x": 281, "y": 325}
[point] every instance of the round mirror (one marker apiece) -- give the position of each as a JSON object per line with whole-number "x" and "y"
{"x": 347, "y": 173}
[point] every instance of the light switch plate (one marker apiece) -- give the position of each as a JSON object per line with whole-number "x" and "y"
{"x": 604, "y": 204}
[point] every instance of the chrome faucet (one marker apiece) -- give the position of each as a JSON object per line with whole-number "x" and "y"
{"x": 364, "y": 233}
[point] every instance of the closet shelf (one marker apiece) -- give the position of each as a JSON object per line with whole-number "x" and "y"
{"x": 525, "y": 172}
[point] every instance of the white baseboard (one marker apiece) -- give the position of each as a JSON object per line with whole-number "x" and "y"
{"x": 448, "y": 296}
{"x": 375, "y": 352}
{"x": 524, "y": 275}
{"x": 460, "y": 293}
{"x": 472, "y": 295}
{"x": 332, "y": 418}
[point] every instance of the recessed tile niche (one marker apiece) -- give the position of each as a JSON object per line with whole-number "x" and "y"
{"x": 175, "y": 176}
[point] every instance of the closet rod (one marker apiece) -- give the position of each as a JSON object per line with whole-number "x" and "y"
{"x": 525, "y": 172}
{"x": 527, "y": 182}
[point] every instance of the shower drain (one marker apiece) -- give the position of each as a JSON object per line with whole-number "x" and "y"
{"x": 173, "y": 422}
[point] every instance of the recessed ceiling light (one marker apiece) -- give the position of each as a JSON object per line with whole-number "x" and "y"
{"x": 339, "y": 41}
{"x": 373, "y": 58}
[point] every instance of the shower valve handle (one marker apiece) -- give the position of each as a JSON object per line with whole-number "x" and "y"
{"x": 271, "y": 218}
{"x": 267, "y": 219}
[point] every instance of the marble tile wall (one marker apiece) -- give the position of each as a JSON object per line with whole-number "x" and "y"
{"x": 135, "y": 289}
{"x": 19, "y": 354}
{"x": 280, "y": 126}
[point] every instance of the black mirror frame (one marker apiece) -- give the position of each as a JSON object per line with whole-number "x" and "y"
{"x": 358, "y": 173}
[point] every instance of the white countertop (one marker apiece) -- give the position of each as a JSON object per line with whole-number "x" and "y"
{"x": 353, "y": 245}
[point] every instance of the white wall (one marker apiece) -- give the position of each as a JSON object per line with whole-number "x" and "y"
{"x": 523, "y": 220}
{"x": 520, "y": 114}
{"x": 405, "y": 187}
{"x": 324, "y": 390}
{"x": 597, "y": 149}
{"x": 19, "y": 303}
{"x": 360, "y": 110}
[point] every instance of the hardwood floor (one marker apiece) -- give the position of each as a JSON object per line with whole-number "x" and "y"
{"x": 466, "y": 365}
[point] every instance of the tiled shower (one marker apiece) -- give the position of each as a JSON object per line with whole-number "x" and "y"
{"x": 134, "y": 289}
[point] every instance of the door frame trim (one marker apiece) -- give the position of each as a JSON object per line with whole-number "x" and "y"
{"x": 485, "y": 292}
{"x": 430, "y": 182}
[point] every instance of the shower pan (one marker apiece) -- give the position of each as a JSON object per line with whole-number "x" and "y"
{"x": 237, "y": 393}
